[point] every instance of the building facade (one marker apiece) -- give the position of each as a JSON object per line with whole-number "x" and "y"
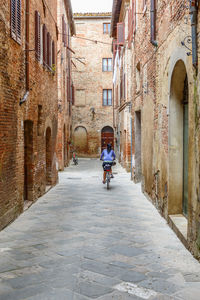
{"x": 28, "y": 103}
{"x": 92, "y": 121}
{"x": 165, "y": 107}
{"x": 66, "y": 29}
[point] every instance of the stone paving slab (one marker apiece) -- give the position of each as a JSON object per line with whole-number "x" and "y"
{"x": 81, "y": 241}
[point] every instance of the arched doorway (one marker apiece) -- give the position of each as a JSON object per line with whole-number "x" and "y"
{"x": 81, "y": 140}
{"x": 48, "y": 156}
{"x": 107, "y": 137}
{"x": 178, "y": 141}
{"x": 28, "y": 160}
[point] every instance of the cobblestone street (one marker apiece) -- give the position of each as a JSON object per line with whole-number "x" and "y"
{"x": 82, "y": 241}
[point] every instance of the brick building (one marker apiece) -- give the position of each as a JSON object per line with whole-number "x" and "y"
{"x": 122, "y": 79}
{"x": 66, "y": 29}
{"x": 165, "y": 107}
{"x": 28, "y": 103}
{"x": 92, "y": 121}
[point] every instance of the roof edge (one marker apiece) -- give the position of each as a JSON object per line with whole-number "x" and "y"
{"x": 115, "y": 16}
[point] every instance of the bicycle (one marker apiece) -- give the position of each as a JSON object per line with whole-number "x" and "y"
{"x": 107, "y": 168}
{"x": 75, "y": 158}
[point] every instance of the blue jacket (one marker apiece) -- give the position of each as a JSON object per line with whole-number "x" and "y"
{"x": 107, "y": 156}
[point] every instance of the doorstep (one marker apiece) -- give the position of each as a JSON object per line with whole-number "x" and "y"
{"x": 179, "y": 224}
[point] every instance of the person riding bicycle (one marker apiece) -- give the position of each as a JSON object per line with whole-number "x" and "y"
{"x": 108, "y": 155}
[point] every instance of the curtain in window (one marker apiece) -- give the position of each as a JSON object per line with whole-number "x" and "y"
{"x": 109, "y": 97}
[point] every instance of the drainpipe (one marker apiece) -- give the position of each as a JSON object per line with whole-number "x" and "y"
{"x": 193, "y": 14}
{"x": 25, "y": 97}
{"x": 153, "y": 23}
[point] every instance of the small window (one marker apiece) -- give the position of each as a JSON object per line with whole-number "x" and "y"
{"x": 106, "y": 28}
{"x": 107, "y": 97}
{"x": 107, "y": 65}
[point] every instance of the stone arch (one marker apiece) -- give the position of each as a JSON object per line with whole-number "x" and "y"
{"x": 81, "y": 140}
{"x": 107, "y": 136}
{"x": 48, "y": 156}
{"x": 178, "y": 140}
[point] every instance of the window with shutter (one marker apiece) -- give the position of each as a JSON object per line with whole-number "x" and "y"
{"x": 63, "y": 29}
{"x": 53, "y": 53}
{"x": 120, "y": 34}
{"x": 44, "y": 45}
{"x": 48, "y": 49}
{"x": 73, "y": 100}
{"x": 37, "y": 36}
{"x": 15, "y": 20}
{"x": 65, "y": 34}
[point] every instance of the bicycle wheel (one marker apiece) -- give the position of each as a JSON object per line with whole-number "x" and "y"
{"x": 108, "y": 180}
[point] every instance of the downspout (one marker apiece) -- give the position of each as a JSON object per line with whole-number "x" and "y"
{"x": 25, "y": 97}
{"x": 193, "y": 14}
{"x": 153, "y": 23}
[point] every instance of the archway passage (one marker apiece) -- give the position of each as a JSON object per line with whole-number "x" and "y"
{"x": 28, "y": 160}
{"x": 178, "y": 141}
{"x": 48, "y": 156}
{"x": 81, "y": 140}
{"x": 107, "y": 137}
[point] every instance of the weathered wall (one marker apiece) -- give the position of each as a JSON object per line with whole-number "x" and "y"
{"x": 89, "y": 81}
{"x": 64, "y": 74}
{"x": 12, "y": 66}
{"x": 36, "y": 114}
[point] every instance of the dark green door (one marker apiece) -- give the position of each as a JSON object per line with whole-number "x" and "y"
{"x": 185, "y": 151}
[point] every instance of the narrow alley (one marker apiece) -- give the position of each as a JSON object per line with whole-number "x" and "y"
{"x": 81, "y": 241}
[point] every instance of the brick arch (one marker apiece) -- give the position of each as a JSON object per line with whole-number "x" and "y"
{"x": 81, "y": 140}
{"x": 107, "y": 136}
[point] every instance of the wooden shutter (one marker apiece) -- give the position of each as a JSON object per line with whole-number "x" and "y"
{"x": 53, "y": 53}
{"x": 18, "y": 29}
{"x": 73, "y": 100}
{"x": 65, "y": 34}
{"x": 15, "y": 18}
{"x": 37, "y": 36}
{"x": 44, "y": 32}
{"x": 120, "y": 34}
{"x": 63, "y": 29}
{"x": 130, "y": 27}
{"x": 134, "y": 15}
{"x": 48, "y": 48}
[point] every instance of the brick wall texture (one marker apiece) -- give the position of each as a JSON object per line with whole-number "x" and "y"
{"x": 89, "y": 115}
{"x": 28, "y": 131}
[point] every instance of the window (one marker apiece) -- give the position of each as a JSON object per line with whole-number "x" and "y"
{"x": 120, "y": 34}
{"x": 44, "y": 39}
{"x": 15, "y": 8}
{"x": 107, "y": 97}
{"x": 106, "y": 28}
{"x": 107, "y": 64}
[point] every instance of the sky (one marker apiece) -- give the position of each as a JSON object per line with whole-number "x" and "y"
{"x": 91, "y": 5}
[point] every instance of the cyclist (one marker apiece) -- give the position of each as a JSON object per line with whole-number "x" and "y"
{"x": 108, "y": 155}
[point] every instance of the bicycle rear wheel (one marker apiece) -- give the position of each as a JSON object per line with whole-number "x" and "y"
{"x": 108, "y": 180}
